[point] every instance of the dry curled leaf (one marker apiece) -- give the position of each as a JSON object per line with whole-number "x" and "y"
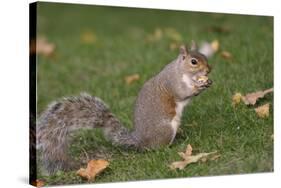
{"x": 188, "y": 158}
{"x": 132, "y": 78}
{"x": 251, "y": 98}
{"x": 42, "y": 46}
{"x": 263, "y": 111}
{"x": 88, "y": 37}
{"x": 38, "y": 183}
{"x": 94, "y": 167}
{"x": 236, "y": 98}
{"x": 226, "y": 55}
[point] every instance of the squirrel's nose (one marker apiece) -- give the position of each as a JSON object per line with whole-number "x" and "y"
{"x": 209, "y": 82}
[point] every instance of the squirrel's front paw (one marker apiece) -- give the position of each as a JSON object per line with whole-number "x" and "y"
{"x": 201, "y": 83}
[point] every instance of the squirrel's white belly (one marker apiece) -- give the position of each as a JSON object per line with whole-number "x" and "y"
{"x": 175, "y": 123}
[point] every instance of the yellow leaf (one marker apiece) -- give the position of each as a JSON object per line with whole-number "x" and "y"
{"x": 236, "y": 98}
{"x": 94, "y": 167}
{"x": 132, "y": 78}
{"x": 215, "y": 45}
{"x": 263, "y": 111}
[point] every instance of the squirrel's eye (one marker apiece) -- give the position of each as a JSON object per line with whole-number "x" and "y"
{"x": 194, "y": 62}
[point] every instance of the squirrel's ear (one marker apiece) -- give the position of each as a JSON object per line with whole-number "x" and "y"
{"x": 193, "y": 46}
{"x": 183, "y": 51}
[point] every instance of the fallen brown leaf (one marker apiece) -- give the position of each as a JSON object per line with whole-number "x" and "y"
{"x": 38, "y": 183}
{"x": 88, "y": 37}
{"x": 188, "y": 158}
{"x": 43, "y": 47}
{"x": 226, "y": 55}
{"x": 263, "y": 111}
{"x": 236, "y": 98}
{"x": 132, "y": 78}
{"x": 251, "y": 98}
{"x": 94, "y": 167}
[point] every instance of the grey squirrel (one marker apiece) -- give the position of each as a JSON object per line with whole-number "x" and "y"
{"x": 157, "y": 112}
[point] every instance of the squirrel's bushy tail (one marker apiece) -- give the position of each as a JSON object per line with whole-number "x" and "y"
{"x": 65, "y": 116}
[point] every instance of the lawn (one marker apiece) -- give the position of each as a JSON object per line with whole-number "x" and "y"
{"x": 97, "y": 47}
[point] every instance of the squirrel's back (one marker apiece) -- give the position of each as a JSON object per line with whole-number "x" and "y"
{"x": 155, "y": 108}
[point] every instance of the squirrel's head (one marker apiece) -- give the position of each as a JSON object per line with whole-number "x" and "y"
{"x": 193, "y": 62}
{"x": 193, "y": 68}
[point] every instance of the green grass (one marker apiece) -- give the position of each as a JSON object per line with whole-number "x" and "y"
{"x": 209, "y": 122}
